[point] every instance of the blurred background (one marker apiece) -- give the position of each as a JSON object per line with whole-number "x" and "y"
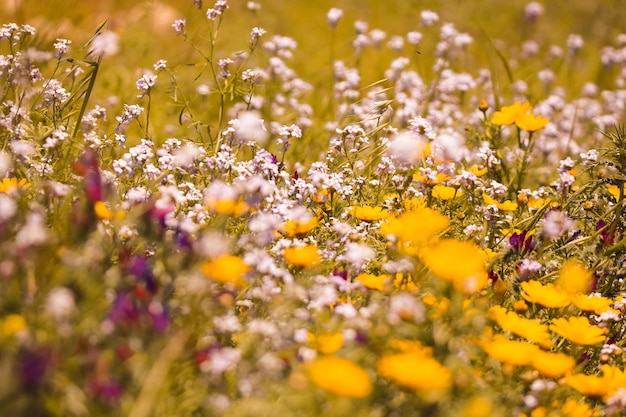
{"x": 500, "y": 31}
{"x": 145, "y": 25}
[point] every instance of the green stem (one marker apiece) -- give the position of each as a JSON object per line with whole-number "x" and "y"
{"x": 92, "y": 82}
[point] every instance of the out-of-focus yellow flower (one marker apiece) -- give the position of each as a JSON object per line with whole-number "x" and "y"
{"x": 593, "y": 303}
{"x": 552, "y": 365}
{"x": 520, "y": 305}
{"x": 479, "y": 171}
{"x": 439, "y": 178}
{"x": 415, "y": 370}
{"x": 105, "y": 213}
{"x": 415, "y": 227}
{"x": 507, "y": 205}
{"x": 302, "y": 255}
{"x": 547, "y": 295}
{"x": 528, "y": 329}
{"x": 578, "y": 330}
{"x": 510, "y": 114}
{"x": 299, "y": 226}
{"x": 478, "y": 407}
{"x": 369, "y": 213}
{"x": 227, "y": 269}
{"x": 340, "y": 376}
{"x": 405, "y": 345}
{"x": 404, "y": 282}
{"x": 459, "y": 262}
{"x": 573, "y": 408}
{"x": 414, "y": 203}
{"x": 574, "y": 277}
{"x": 444, "y": 192}
{"x": 227, "y": 206}
{"x": 373, "y": 282}
{"x": 438, "y": 306}
{"x": 327, "y": 343}
{"x": 12, "y": 325}
{"x": 12, "y": 185}
{"x": 511, "y": 352}
{"x": 591, "y": 385}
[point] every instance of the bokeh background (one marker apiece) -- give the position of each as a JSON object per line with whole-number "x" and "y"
{"x": 145, "y": 26}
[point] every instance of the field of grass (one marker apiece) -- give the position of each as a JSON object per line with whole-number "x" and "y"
{"x": 374, "y": 208}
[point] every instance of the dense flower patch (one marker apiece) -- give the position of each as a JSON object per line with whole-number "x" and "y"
{"x": 455, "y": 249}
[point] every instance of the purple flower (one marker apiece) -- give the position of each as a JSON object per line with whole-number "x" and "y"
{"x": 33, "y": 366}
{"x": 123, "y": 309}
{"x": 606, "y": 235}
{"x": 140, "y": 268}
{"x": 522, "y": 242}
{"x": 107, "y": 390}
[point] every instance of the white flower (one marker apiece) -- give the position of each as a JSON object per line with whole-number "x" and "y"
{"x": 104, "y": 44}
{"x": 357, "y": 254}
{"x": 8, "y": 207}
{"x": 60, "y": 303}
{"x": 556, "y": 223}
{"x": 222, "y": 360}
{"x": 333, "y": 17}
{"x": 405, "y": 306}
{"x": 33, "y": 233}
{"x": 6, "y": 163}
{"x": 406, "y": 148}
{"x": 250, "y": 127}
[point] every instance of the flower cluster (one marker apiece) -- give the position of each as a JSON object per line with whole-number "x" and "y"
{"x": 237, "y": 238}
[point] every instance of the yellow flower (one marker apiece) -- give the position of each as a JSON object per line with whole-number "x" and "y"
{"x": 415, "y": 227}
{"x": 103, "y": 212}
{"x": 415, "y": 370}
{"x": 369, "y": 213}
{"x": 511, "y": 352}
{"x": 578, "y": 330}
{"x": 614, "y": 190}
{"x": 593, "y": 303}
{"x": 340, "y": 377}
{"x": 573, "y": 408}
{"x": 459, "y": 262}
{"x": 574, "y": 277}
{"x": 547, "y": 295}
{"x": 528, "y": 329}
{"x": 414, "y": 203}
{"x": 226, "y": 206}
{"x": 478, "y": 407}
{"x": 405, "y": 345}
{"x": 552, "y": 365}
{"x": 439, "y": 178}
{"x": 478, "y": 171}
{"x": 520, "y": 305}
{"x": 299, "y": 227}
{"x": 12, "y": 325}
{"x": 226, "y": 269}
{"x": 437, "y": 306}
{"x": 12, "y": 185}
{"x": 302, "y": 255}
{"x": 616, "y": 378}
{"x": 591, "y": 385}
{"x": 371, "y": 281}
{"x": 327, "y": 343}
{"x": 404, "y": 282}
{"x": 510, "y": 114}
{"x": 531, "y": 123}
{"x": 443, "y": 192}
{"x": 508, "y": 205}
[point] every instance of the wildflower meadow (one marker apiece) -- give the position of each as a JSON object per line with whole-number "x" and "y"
{"x": 292, "y": 208}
